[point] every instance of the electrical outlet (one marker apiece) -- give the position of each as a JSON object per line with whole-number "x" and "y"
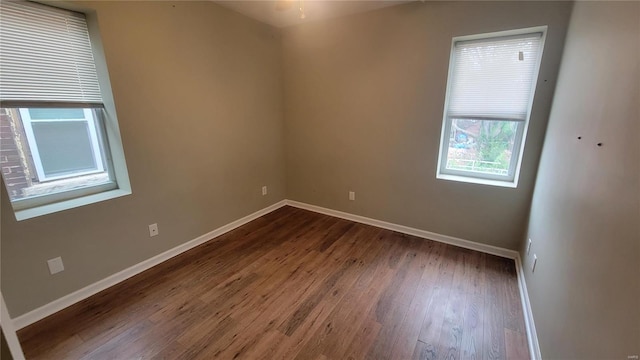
{"x": 352, "y": 195}
{"x": 153, "y": 230}
{"x": 264, "y": 190}
{"x": 529, "y": 246}
{"x": 55, "y": 265}
{"x": 533, "y": 264}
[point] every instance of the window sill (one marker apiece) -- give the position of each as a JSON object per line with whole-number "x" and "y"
{"x": 69, "y": 204}
{"x": 472, "y": 180}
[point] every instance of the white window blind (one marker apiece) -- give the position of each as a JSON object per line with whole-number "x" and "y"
{"x": 46, "y": 55}
{"x": 492, "y": 78}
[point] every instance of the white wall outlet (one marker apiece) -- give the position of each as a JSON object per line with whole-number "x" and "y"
{"x": 55, "y": 265}
{"x": 352, "y": 195}
{"x": 264, "y": 190}
{"x": 533, "y": 264}
{"x": 529, "y": 246}
{"x": 153, "y": 230}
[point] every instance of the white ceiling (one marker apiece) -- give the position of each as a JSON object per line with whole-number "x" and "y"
{"x": 266, "y": 11}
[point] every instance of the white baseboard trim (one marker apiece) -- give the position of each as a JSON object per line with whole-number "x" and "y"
{"x": 9, "y": 332}
{"x": 79, "y": 295}
{"x": 532, "y": 337}
{"x": 489, "y": 249}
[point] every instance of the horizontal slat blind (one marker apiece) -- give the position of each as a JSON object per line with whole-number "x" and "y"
{"x": 45, "y": 55}
{"x": 492, "y": 78}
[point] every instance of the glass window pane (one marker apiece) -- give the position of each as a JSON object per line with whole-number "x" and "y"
{"x": 481, "y": 146}
{"x": 52, "y": 114}
{"x": 64, "y": 147}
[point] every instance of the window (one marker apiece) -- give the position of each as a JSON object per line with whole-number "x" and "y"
{"x": 63, "y": 142}
{"x": 59, "y": 141}
{"x": 490, "y": 90}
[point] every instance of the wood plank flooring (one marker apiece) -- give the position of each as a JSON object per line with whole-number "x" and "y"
{"x": 299, "y": 285}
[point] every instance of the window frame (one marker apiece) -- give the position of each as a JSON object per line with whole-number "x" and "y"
{"x": 106, "y": 123}
{"x": 96, "y": 147}
{"x": 513, "y": 173}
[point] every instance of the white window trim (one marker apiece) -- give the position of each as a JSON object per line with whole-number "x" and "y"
{"x": 510, "y": 181}
{"x": 111, "y": 128}
{"x": 70, "y": 203}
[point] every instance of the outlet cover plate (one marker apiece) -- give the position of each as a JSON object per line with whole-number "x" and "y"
{"x": 55, "y": 265}
{"x": 153, "y": 230}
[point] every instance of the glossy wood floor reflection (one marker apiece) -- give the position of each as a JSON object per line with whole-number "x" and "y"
{"x": 299, "y": 285}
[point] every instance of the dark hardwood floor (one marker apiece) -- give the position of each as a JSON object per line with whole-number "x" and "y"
{"x": 295, "y": 284}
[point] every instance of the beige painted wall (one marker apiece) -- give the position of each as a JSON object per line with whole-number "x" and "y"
{"x": 197, "y": 91}
{"x": 364, "y": 98}
{"x": 585, "y": 217}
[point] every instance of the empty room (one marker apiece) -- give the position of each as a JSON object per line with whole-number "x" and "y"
{"x": 297, "y": 179}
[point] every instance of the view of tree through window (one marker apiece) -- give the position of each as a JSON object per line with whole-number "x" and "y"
{"x": 481, "y": 145}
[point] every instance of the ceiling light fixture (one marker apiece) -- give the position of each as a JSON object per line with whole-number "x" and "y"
{"x": 285, "y": 5}
{"x": 301, "y": 8}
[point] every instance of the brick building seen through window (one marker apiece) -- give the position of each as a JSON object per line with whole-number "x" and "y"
{"x": 19, "y": 168}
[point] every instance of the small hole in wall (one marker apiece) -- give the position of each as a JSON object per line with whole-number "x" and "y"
{"x": 599, "y": 144}
{"x": 579, "y": 137}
